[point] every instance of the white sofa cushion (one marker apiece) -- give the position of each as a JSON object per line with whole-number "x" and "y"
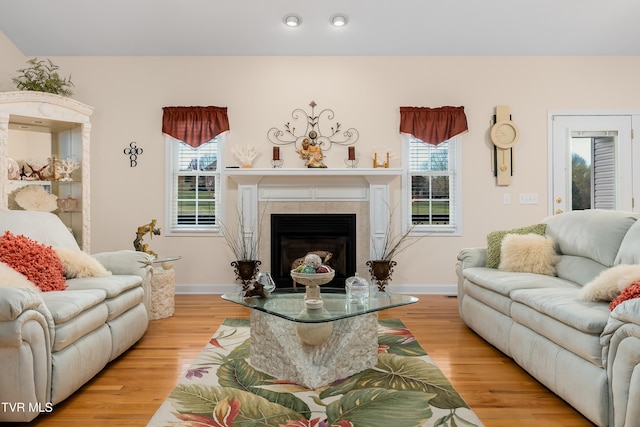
{"x": 594, "y": 234}
{"x": 629, "y": 252}
{"x": 43, "y": 227}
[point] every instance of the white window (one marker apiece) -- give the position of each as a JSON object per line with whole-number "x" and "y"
{"x": 193, "y": 187}
{"x": 432, "y": 186}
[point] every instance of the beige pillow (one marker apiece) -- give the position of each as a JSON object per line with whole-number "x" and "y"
{"x": 11, "y": 278}
{"x": 528, "y": 253}
{"x": 77, "y": 263}
{"x": 608, "y": 284}
{"x": 494, "y": 241}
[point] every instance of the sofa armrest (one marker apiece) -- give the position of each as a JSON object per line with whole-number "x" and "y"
{"x": 18, "y": 305}
{"x": 620, "y": 342}
{"x": 624, "y": 321}
{"x": 472, "y": 257}
{"x": 26, "y": 336}
{"x": 126, "y": 262}
{"x": 628, "y": 311}
{"x": 15, "y": 301}
{"x": 130, "y": 262}
{"x": 467, "y": 258}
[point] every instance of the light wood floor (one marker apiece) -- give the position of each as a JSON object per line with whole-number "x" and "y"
{"x": 130, "y": 389}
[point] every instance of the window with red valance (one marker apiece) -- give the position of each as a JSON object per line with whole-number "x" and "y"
{"x": 193, "y": 164}
{"x": 433, "y": 125}
{"x": 194, "y": 125}
{"x": 433, "y": 192}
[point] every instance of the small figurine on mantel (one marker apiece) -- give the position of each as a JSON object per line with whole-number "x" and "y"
{"x": 149, "y": 229}
{"x": 312, "y": 153}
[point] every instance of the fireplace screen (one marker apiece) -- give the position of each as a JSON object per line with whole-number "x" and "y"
{"x": 295, "y": 235}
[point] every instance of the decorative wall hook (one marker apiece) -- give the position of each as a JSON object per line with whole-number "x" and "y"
{"x": 133, "y": 152}
{"x": 319, "y": 130}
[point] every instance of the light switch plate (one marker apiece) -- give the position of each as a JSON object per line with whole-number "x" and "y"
{"x": 528, "y": 198}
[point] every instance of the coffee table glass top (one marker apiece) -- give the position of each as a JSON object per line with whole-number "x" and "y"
{"x": 289, "y": 304}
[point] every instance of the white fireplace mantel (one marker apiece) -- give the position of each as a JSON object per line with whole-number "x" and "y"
{"x": 319, "y": 185}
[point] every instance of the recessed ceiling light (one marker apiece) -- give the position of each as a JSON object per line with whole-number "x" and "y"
{"x": 292, "y": 20}
{"x": 339, "y": 20}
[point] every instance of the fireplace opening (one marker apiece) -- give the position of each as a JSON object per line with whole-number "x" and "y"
{"x": 294, "y": 235}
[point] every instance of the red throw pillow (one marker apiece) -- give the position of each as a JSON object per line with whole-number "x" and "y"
{"x": 39, "y": 263}
{"x": 631, "y": 291}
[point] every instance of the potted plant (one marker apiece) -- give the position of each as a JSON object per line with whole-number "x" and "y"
{"x": 42, "y": 76}
{"x": 245, "y": 249}
{"x": 381, "y": 267}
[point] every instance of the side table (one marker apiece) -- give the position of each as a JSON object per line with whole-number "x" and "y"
{"x": 163, "y": 287}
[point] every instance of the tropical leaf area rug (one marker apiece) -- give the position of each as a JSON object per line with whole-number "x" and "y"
{"x": 405, "y": 389}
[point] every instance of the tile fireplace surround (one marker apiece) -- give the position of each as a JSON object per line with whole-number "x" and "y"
{"x": 363, "y": 191}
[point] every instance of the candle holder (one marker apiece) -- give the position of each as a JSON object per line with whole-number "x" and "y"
{"x": 277, "y": 163}
{"x": 377, "y": 164}
{"x": 351, "y": 163}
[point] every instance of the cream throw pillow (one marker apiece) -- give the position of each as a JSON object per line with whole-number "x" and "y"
{"x": 494, "y": 241}
{"x": 528, "y": 253}
{"x": 11, "y": 278}
{"x": 77, "y": 263}
{"x": 608, "y": 284}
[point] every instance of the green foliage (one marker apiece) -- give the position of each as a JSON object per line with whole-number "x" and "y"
{"x": 403, "y": 374}
{"x": 42, "y": 76}
{"x": 580, "y": 183}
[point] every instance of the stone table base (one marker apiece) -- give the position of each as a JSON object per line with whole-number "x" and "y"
{"x": 163, "y": 287}
{"x": 277, "y": 350}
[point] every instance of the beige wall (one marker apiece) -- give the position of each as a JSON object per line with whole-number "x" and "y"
{"x": 128, "y": 94}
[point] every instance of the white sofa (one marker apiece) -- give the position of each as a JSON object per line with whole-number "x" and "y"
{"x": 51, "y": 343}
{"x": 579, "y": 349}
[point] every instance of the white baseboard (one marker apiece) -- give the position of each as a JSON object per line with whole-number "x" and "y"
{"x": 401, "y": 289}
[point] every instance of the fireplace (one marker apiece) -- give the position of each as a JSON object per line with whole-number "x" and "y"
{"x": 294, "y": 235}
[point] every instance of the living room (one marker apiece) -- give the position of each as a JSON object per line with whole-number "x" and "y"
{"x": 128, "y": 93}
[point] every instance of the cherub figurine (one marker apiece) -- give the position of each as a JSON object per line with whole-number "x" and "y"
{"x": 312, "y": 153}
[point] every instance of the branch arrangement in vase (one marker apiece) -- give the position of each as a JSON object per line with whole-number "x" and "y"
{"x": 243, "y": 248}
{"x": 394, "y": 243}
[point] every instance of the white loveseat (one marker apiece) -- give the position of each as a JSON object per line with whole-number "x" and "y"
{"x": 51, "y": 343}
{"x": 582, "y": 351}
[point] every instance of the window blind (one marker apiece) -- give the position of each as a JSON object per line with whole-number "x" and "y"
{"x": 432, "y": 183}
{"x": 196, "y": 179}
{"x": 604, "y": 173}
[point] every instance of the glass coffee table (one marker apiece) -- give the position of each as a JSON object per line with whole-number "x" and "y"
{"x": 314, "y": 347}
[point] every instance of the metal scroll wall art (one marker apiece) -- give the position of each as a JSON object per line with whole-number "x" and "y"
{"x": 312, "y": 134}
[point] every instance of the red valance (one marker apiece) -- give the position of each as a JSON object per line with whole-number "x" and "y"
{"x": 433, "y": 125}
{"x": 194, "y": 125}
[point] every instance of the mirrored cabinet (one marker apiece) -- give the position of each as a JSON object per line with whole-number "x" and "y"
{"x": 44, "y": 157}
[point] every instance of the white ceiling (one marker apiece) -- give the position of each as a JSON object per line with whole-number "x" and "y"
{"x": 376, "y": 27}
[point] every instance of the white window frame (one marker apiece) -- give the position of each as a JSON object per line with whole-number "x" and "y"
{"x": 455, "y": 226}
{"x": 171, "y": 191}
